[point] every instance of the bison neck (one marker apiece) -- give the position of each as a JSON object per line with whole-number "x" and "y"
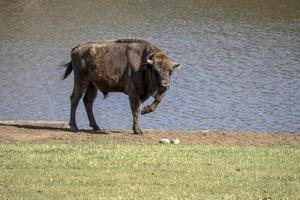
{"x": 151, "y": 85}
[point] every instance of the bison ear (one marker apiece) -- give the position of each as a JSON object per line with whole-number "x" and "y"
{"x": 150, "y": 59}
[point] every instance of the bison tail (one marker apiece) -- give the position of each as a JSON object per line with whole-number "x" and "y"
{"x": 68, "y": 71}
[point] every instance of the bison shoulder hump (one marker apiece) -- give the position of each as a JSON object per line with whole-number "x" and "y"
{"x": 130, "y": 40}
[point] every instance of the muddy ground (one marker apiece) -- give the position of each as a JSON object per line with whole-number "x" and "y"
{"x": 43, "y": 131}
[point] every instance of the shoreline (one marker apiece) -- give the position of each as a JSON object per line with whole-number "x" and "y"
{"x": 43, "y": 131}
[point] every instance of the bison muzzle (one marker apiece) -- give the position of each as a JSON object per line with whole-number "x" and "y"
{"x": 132, "y": 66}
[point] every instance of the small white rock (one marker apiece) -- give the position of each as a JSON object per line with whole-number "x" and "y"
{"x": 164, "y": 141}
{"x": 175, "y": 141}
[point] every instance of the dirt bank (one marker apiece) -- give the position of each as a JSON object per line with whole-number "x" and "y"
{"x": 42, "y": 131}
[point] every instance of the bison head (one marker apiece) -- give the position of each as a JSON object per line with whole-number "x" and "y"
{"x": 163, "y": 67}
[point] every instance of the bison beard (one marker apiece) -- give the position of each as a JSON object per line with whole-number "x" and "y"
{"x": 132, "y": 66}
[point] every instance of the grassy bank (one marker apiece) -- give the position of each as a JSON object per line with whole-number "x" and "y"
{"x": 114, "y": 170}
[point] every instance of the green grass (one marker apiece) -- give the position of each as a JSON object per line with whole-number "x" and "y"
{"x": 110, "y": 170}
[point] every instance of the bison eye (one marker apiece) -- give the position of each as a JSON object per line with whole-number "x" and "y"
{"x": 170, "y": 72}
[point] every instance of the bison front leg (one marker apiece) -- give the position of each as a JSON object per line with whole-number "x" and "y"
{"x": 135, "y": 108}
{"x": 157, "y": 99}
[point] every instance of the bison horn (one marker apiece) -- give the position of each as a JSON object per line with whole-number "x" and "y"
{"x": 149, "y": 59}
{"x": 177, "y": 66}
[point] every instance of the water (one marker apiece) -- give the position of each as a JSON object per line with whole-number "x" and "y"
{"x": 240, "y": 61}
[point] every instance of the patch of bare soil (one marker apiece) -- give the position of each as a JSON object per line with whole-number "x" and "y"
{"x": 42, "y": 131}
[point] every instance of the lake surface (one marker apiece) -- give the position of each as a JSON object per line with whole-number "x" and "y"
{"x": 240, "y": 61}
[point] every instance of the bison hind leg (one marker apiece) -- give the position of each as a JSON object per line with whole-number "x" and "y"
{"x": 75, "y": 98}
{"x": 88, "y": 99}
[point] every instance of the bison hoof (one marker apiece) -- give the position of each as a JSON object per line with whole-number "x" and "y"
{"x": 74, "y": 128}
{"x": 96, "y": 128}
{"x": 146, "y": 110}
{"x": 137, "y": 131}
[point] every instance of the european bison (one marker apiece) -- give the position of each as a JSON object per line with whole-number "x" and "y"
{"x": 132, "y": 66}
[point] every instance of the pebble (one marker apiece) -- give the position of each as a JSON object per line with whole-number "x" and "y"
{"x": 164, "y": 141}
{"x": 175, "y": 141}
{"x": 169, "y": 141}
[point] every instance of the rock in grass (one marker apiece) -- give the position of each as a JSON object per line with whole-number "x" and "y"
{"x": 164, "y": 141}
{"x": 175, "y": 141}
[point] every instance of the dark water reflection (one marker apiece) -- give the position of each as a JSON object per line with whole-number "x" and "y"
{"x": 241, "y": 60}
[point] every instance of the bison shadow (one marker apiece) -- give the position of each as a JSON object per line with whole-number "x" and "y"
{"x": 50, "y": 128}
